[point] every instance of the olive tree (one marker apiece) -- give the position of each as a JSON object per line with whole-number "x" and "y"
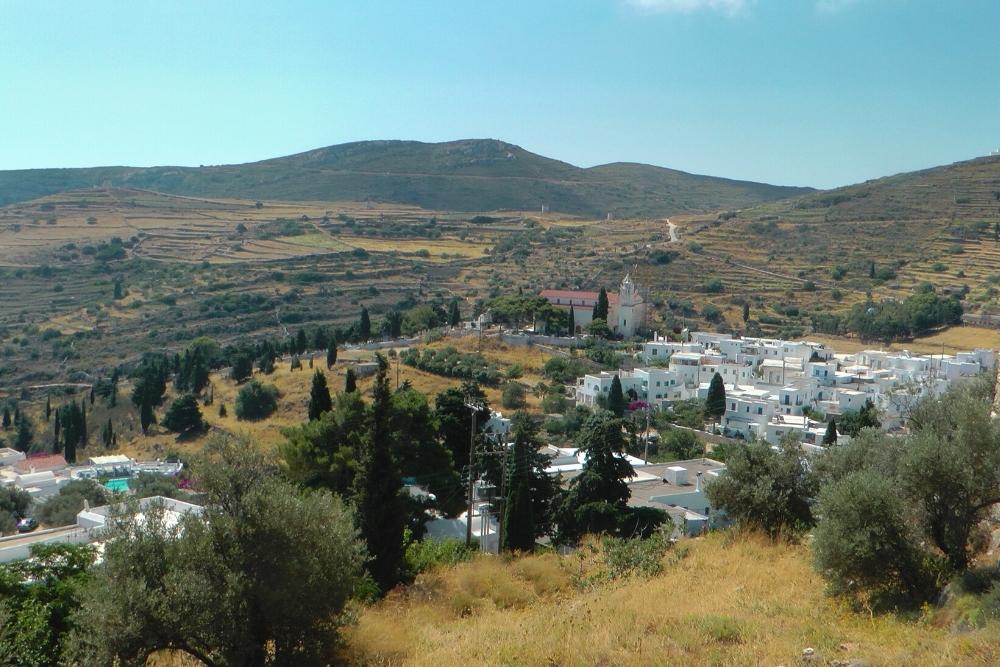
{"x": 259, "y": 578}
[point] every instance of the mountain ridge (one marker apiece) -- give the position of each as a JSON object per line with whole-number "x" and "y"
{"x": 462, "y": 175}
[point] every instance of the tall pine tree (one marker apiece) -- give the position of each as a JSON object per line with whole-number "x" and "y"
{"x": 572, "y": 322}
{"x": 380, "y": 510}
{"x": 596, "y": 501}
{"x": 319, "y": 396}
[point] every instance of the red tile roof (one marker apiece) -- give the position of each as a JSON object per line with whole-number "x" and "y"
{"x": 41, "y": 463}
{"x": 576, "y": 295}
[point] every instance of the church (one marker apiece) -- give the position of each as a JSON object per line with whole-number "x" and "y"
{"x": 626, "y": 309}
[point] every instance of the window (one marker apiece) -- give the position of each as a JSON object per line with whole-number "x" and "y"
{"x": 733, "y": 406}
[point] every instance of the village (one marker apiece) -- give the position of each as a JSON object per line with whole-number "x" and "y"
{"x": 774, "y": 390}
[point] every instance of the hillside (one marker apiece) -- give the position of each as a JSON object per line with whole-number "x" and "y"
{"x": 468, "y": 175}
{"x": 731, "y": 600}
{"x": 968, "y": 190}
{"x": 816, "y": 252}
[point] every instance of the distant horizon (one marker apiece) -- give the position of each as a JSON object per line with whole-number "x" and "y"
{"x": 819, "y": 93}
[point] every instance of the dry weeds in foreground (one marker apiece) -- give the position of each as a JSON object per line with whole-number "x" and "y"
{"x": 734, "y": 600}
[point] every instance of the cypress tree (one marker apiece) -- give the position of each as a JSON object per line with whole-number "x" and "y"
{"x": 365, "y": 325}
{"x": 319, "y": 396}
{"x": 616, "y": 399}
{"x": 17, "y": 415}
{"x": 518, "y": 511}
{"x": 393, "y": 324}
{"x": 6, "y": 417}
{"x": 300, "y": 342}
{"x": 331, "y": 354}
{"x": 746, "y": 312}
{"x": 572, "y": 322}
{"x": 108, "y": 433}
{"x": 146, "y": 417}
{"x": 830, "y": 437}
{"x": 56, "y": 430}
{"x": 48, "y": 408}
{"x": 602, "y": 306}
{"x": 199, "y": 374}
{"x": 69, "y": 451}
{"x": 454, "y": 314}
{"x": 25, "y": 434}
{"x": 83, "y": 424}
{"x": 92, "y": 397}
{"x": 320, "y": 339}
{"x": 350, "y": 381}
{"x": 380, "y": 511}
{"x": 715, "y": 402}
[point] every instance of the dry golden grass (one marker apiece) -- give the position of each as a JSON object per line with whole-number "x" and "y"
{"x": 293, "y": 400}
{"x": 734, "y": 600}
{"x": 949, "y": 341}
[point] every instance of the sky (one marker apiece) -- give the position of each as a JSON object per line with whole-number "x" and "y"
{"x": 797, "y": 92}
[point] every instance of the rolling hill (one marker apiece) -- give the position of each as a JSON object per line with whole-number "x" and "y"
{"x": 968, "y": 190}
{"x": 467, "y": 175}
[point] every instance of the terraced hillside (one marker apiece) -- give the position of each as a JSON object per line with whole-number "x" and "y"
{"x": 189, "y": 266}
{"x": 469, "y": 175}
{"x": 816, "y": 253}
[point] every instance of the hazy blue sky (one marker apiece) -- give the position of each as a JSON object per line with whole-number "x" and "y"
{"x": 810, "y": 92}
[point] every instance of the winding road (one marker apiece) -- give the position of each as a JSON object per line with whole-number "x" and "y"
{"x": 672, "y": 228}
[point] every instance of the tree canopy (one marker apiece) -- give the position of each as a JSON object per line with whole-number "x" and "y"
{"x": 259, "y": 578}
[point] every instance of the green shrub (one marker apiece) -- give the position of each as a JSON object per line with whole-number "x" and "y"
{"x": 721, "y": 629}
{"x": 513, "y": 397}
{"x": 422, "y": 555}
{"x": 256, "y": 401}
{"x": 641, "y": 557}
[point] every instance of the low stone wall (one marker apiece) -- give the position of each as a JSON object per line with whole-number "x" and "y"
{"x": 524, "y": 340}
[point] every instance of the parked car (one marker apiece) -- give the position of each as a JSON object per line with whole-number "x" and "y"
{"x": 26, "y": 525}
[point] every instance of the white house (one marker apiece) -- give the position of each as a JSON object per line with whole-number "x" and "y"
{"x": 9, "y": 457}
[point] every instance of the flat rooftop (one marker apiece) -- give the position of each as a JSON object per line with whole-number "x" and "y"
{"x": 644, "y": 490}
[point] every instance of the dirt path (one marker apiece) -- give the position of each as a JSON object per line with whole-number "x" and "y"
{"x": 672, "y": 228}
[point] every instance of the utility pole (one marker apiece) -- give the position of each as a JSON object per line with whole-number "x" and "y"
{"x": 472, "y": 449}
{"x": 645, "y": 455}
{"x": 503, "y": 496}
